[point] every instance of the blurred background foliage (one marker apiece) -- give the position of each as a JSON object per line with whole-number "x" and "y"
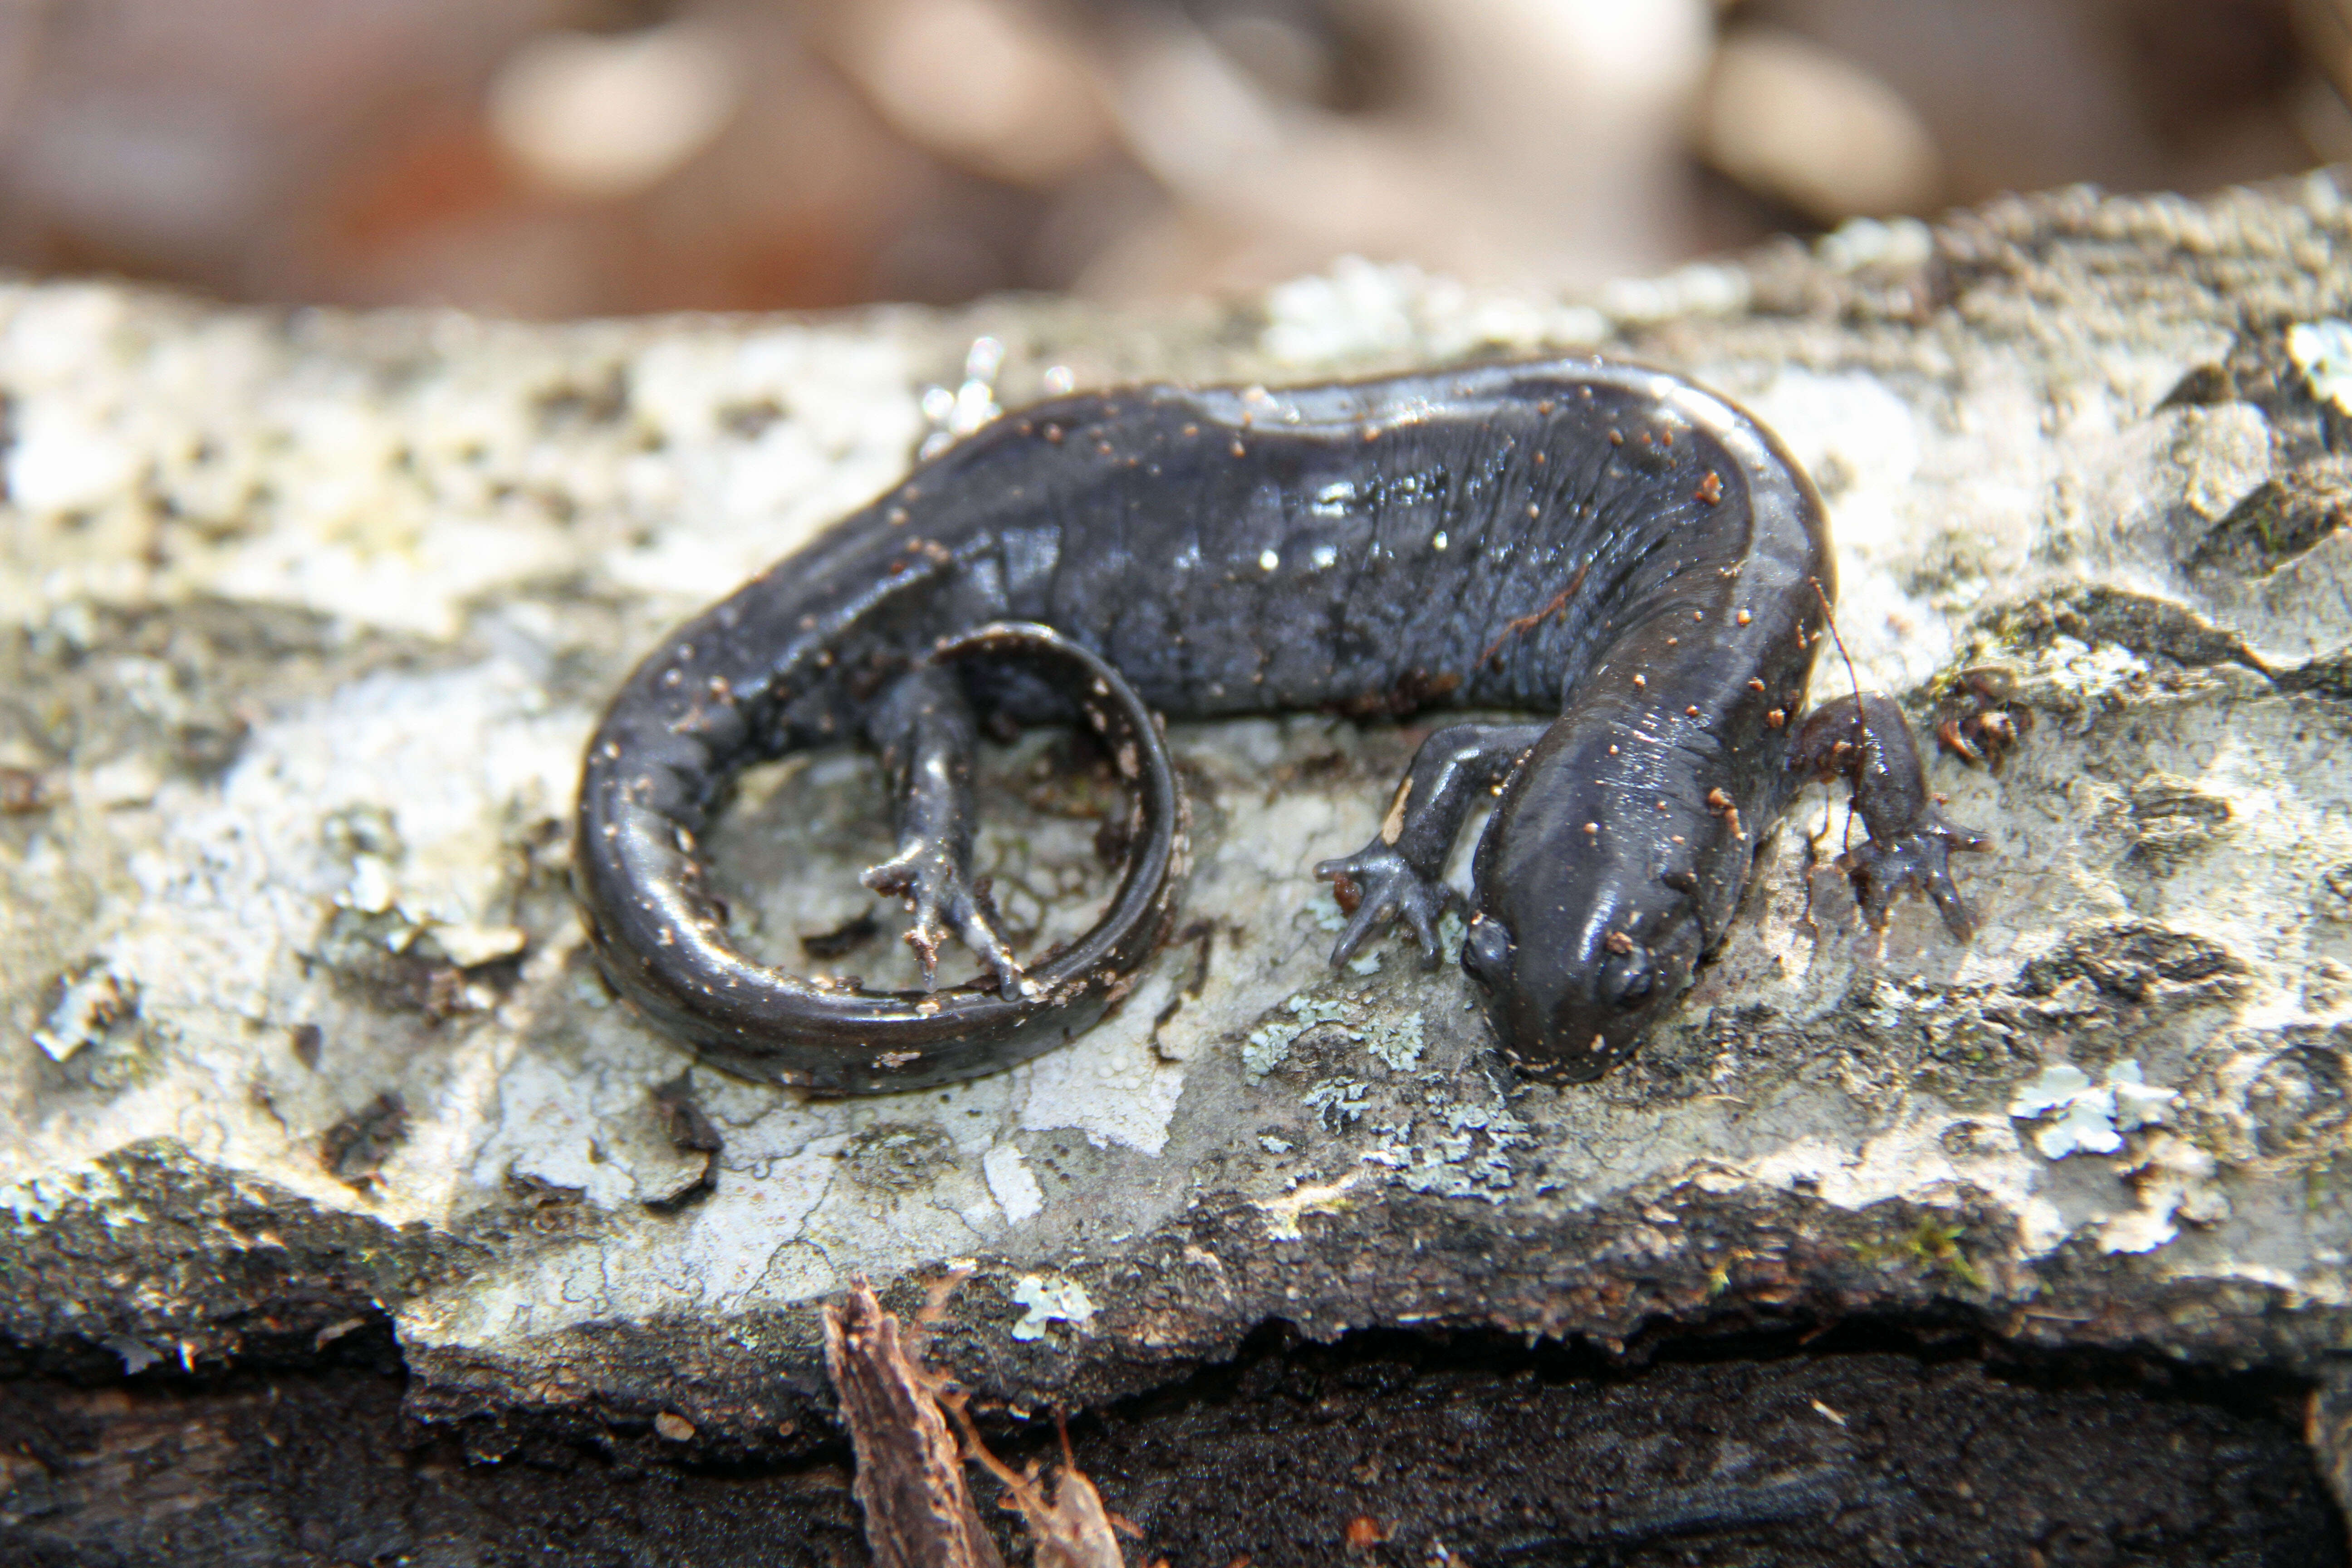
{"x": 567, "y": 157}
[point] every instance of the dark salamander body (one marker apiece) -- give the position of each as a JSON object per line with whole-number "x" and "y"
{"x": 1593, "y": 541}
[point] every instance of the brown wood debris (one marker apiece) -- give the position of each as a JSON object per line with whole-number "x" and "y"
{"x": 910, "y": 1482}
{"x": 918, "y": 1513}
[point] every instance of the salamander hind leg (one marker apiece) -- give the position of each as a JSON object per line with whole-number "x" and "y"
{"x": 1401, "y": 873}
{"x": 1865, "y": 740}
{"x": 923, "y": 726}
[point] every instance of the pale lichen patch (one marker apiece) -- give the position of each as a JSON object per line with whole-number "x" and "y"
{"x": 1045, "y": 1300}
{"x": 2322, "y": 350}
{"x": 1267, "y": 1046}
{"x": 1012, "y": 1183}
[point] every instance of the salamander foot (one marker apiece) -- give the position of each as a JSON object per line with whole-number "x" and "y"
{"x": 944, "y": 904}
{"x": 1375, "y": 883}
{"x": 1881, "y": 868}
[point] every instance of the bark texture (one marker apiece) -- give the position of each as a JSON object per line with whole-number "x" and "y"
{"x": 303, "y": 618}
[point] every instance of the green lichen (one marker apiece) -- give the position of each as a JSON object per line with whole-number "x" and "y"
{"x": 1399, "y": 1043}
{"x": 1267, "y": 1046}
{"x": 1932, "y": 1246}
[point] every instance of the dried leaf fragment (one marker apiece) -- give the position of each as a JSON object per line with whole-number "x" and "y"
{"x": 918, "y": 1513}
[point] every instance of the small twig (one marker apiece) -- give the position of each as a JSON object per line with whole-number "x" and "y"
{"x": 1853, "y": 684}
{"x": 1853, "y": 681}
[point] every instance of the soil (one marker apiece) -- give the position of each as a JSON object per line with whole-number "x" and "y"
{"x": 1865, "y": 1446}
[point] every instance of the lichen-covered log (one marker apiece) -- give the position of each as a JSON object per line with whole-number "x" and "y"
{"x": 303, "y": 619}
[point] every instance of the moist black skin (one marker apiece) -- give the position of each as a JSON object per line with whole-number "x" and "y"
{"x": 1578, "y": 538}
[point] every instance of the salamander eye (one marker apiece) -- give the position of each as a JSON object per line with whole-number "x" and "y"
{"x": 1487, "y": 951}
{"x": 1628, "y": 977}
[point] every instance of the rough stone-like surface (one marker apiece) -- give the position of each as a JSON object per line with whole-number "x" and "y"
{"x": 303, "y": 619}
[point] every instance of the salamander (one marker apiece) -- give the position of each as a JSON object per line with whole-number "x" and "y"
{"x": 1632, "y": 558}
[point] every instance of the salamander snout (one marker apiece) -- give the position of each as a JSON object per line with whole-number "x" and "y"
{"x": 1568, "y": 1015}
{"x": 1486, "y": 953}
{"x": 1628, "y": 978}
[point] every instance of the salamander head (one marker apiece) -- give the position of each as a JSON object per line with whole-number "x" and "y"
{"x": 1576, "y": 945}
{"x": 1567, "y": 1013}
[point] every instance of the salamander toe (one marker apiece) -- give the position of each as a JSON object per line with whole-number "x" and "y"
{"x": 1377, "y": 884}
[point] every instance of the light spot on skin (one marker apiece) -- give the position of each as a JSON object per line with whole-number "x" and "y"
{"x": 1268, "y": 560}
{"x": 1438, "y": 543}
{"x": 1392, "y": 825}
{"x": 1324, "y": 556}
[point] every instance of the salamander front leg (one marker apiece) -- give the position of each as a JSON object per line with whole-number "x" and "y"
{"x": 925, "y": 733}
{"x": 1401, "y": 872}
{"x": 1865, "y": 740}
